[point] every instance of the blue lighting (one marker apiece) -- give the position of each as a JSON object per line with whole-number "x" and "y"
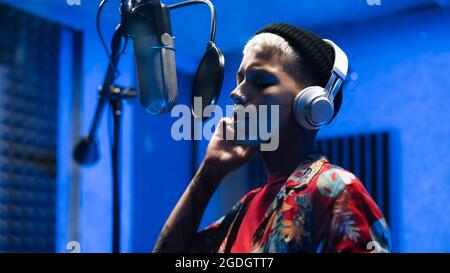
{"x": 399, "y": 55}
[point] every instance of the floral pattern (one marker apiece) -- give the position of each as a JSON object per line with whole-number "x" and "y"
{"x": 320, "y": 208}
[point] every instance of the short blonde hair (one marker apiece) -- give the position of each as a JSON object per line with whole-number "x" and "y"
{"x": 277, "y": 45}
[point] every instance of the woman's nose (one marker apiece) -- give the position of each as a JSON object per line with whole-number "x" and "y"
{"x": 238, "y": 98}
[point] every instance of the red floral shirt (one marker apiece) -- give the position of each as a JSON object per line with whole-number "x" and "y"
{"x": 320, "y": 208}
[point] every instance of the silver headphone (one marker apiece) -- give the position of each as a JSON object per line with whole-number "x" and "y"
{"x": 313, "y": 107}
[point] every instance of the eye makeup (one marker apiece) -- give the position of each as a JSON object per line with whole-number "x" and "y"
{"x": 260, "y": 78}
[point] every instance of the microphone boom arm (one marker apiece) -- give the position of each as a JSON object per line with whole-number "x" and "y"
{"x": 128, "y": 8}
{"x": 86, "y": 152}
{"x": 211, "y": 8}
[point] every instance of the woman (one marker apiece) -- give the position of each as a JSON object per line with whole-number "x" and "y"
{"x": 308, "y": 204}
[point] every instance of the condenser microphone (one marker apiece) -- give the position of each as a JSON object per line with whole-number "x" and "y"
{"x": 147, "y": 22}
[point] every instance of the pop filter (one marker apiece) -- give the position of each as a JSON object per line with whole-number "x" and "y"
{"x": 208, "y": 79}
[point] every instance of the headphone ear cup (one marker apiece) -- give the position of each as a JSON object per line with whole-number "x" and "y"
{"x": 312, "y": 108}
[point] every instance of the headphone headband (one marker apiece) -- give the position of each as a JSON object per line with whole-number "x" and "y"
{"x": 340, "y": 66}
{"x": 339, "y": 71}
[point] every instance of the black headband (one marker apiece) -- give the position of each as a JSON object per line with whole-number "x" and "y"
{"x": 318, "y": 53}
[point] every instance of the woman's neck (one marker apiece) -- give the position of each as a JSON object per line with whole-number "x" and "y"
{"x": 289, "y": 155}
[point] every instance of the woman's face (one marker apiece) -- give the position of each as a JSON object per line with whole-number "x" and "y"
{"x": 262, "y": 80}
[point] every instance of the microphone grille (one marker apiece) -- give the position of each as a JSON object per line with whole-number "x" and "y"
{"x": 158, "y": 87}
{"x": 170, "y": 72}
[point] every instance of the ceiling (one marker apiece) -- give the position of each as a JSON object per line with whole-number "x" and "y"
{"x": 236, "y": 19}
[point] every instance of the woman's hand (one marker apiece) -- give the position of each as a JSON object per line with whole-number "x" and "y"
{"x": 223, "y": 154}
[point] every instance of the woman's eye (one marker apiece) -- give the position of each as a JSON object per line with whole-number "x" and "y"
{"x": 261, "y": 83}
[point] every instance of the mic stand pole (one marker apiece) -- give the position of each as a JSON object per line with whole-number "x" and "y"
{"x": 86, "y": 152}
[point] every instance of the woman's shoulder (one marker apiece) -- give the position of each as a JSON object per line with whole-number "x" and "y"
{"x": 341, "y": 188}
{"x": 332, "y": 180}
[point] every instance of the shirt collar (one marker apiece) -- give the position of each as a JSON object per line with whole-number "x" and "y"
{"x": 299, "y": 179}
{"x": 305, "y": 171}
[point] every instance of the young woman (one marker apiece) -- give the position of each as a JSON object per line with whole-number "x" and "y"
{"x": 308, "y": 204}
